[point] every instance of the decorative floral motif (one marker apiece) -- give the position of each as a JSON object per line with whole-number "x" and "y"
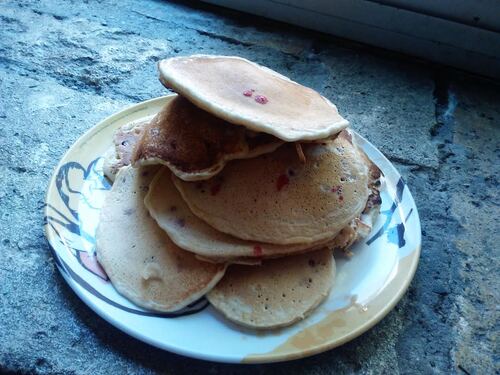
{"x": 78, "y": 187}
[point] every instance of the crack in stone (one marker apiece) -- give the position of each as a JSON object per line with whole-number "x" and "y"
{"x": 56, "y": 16}
{"x": 452, "y": 158}
{"x": 18, "y": 169}
{"x": 445, "y": 285}
{"x": 223, "y": 38}
{"x": 415, "y": 166}
{"x": 445, "y": 105}
{"x": 463, "y": 370}
{"x": 149, "y": 16}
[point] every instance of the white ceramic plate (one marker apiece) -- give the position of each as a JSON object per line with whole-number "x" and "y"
{"x": 367, "y": 286}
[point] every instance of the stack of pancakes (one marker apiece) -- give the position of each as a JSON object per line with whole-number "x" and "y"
{"x": 238, "y": 189}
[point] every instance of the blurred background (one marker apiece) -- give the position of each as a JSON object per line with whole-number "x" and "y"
{"x": 460, "y": 33}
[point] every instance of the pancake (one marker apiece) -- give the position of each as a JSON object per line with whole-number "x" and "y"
{"x": 245, "y": 93}
{"x": 353, "y": 232}
{"x": 277, "y": 199}
{"x": 139, "y": 258}
{"x": 189, "y": 232}
{"x": 276, "y": 294}
{"x": 194, "y": 144}
{"x": 124, "y": 140}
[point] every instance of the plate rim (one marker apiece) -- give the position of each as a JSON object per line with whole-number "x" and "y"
{"x": 253, "y": 358}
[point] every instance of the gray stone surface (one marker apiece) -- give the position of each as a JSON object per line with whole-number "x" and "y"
{"x": 66, "y": 65}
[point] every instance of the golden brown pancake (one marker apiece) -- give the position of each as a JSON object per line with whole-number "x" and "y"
{"x": 189, "y": 232}
{"x": 277, "y": 199}
{"x": 194, "y": 144}
{"x": 245, "y": 93}
{"x": 276, "y": 294}
{"x": 139, "y": 258}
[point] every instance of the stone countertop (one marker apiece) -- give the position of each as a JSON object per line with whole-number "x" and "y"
{"x": 66, "y": 65}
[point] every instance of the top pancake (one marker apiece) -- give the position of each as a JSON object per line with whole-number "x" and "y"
{"x": 194, "y": 144}
{"x": 277, "y": 199}
{"x": 245, "y": 93}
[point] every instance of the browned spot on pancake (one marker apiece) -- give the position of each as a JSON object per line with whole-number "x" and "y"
{"x": 374, "y": 200}
{"x": 375, "y": 172}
